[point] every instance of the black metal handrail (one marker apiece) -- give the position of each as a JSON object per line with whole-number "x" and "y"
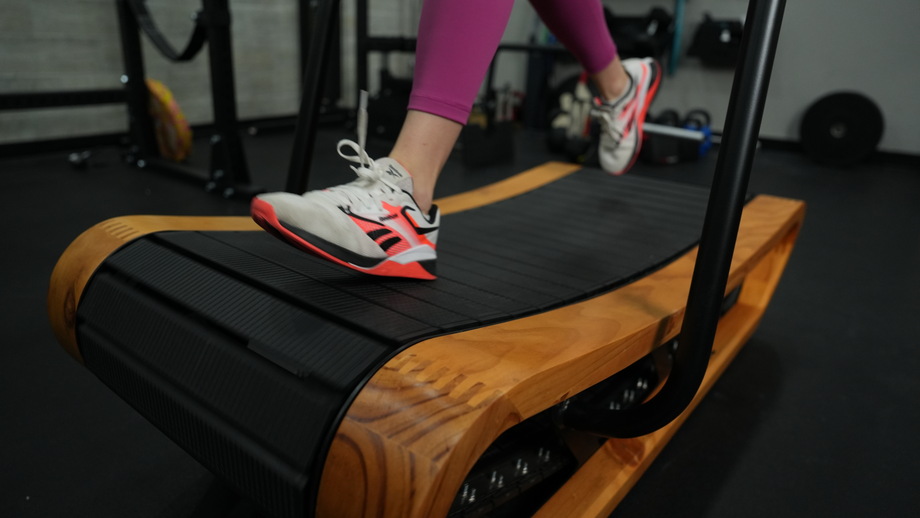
{"x": 717, "y": 242}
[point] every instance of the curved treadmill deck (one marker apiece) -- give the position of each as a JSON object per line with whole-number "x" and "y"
{"x": 248, "y": 352}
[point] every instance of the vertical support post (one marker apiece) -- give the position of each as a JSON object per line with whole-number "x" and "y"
{"x": 361, "y": 44}
{"x": 305, "y": 18}
{"x": 674, "y": 58}
{"x": 332, "y": 75}
{"x": 307, "y": 119}
{"x": 140, "y": 123}
{"x": 229, "y": 169}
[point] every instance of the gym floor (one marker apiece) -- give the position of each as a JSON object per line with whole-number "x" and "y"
{"x": 817, "y": 416}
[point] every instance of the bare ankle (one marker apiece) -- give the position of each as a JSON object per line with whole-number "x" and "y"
{"x": 424, "y": 205}
{"x": 613, "y": 81}
{"x": 424, "y": 197}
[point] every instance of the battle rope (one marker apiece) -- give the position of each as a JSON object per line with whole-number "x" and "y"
{"x": 194, "y": 45}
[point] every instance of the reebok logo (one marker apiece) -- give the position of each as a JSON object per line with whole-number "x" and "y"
{"x": 392, "y": 171}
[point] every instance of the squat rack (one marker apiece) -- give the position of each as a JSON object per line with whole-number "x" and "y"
{"x": 228, "y": 171}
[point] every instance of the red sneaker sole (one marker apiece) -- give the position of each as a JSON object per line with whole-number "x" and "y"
{"x": 264, "y": 215}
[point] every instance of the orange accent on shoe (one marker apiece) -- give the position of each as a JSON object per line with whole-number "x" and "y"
{"x": 407, "y": 219}
{"x": 643, "y": 111}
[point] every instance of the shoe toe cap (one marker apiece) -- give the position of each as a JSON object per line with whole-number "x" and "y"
{"x": 323, "y": 220}
{"x": 297, "y": 211}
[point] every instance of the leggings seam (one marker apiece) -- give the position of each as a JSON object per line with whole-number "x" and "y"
{"x": 439, "y": 106}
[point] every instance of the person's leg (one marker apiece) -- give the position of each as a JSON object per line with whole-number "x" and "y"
{"x": 425, "y": 142}
{"x": 383, "y": 223}
{"x": 626, "y": 88}
{"x": 580, "y": 26}
{"x": 456, "y": 42}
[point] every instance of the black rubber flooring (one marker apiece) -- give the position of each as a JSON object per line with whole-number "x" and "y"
{"x": 817, "y": 416}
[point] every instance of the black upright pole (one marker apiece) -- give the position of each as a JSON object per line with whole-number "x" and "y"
{"x": 361, "y": 44}
{"x": 717, "y": 242}
{"x": 307, "y": 119}
{"x": 140, "y": 124}
{"x": 305, "y": 18}
{"x": 307, "y": 13}
{"x": 229, "y": 169}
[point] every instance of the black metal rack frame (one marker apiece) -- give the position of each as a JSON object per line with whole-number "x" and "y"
{"x": 134, "y": 96}
{"x": 228, "y": 172}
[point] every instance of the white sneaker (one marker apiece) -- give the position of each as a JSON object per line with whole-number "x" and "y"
{"x": 372, "y": 224}
{"x": 621, "y": 120}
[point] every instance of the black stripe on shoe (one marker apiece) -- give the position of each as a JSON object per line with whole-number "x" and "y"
{"x": 389, "y": 243}
{"x": 380, "y": 232}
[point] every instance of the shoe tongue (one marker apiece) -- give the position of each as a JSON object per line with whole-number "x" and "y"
{"x": 395, "y": 173}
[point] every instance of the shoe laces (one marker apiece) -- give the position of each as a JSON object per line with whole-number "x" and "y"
{"x": 608, "y": 115}
{"x": 371, "y": 184}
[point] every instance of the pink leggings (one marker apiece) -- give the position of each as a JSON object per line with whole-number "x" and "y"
{"x": 458, "y": 38}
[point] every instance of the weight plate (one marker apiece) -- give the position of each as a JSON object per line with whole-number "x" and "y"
{"x": 841, "y": 128}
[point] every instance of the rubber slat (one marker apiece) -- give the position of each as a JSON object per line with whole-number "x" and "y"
{"x": 354, "y": 286}
{"x": 476, "y": 305}
{"x": 621, "y": 233}
{"x": 288, "y": 330}
{"x": 217, "y": 445}
{"x": 183, "y": 352}
{"x": 262, "y": 260}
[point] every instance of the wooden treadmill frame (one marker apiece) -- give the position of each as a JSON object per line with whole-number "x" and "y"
{"x": 416, "y": 429}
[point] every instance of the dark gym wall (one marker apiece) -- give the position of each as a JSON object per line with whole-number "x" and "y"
{"x": 826, "y": 45}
